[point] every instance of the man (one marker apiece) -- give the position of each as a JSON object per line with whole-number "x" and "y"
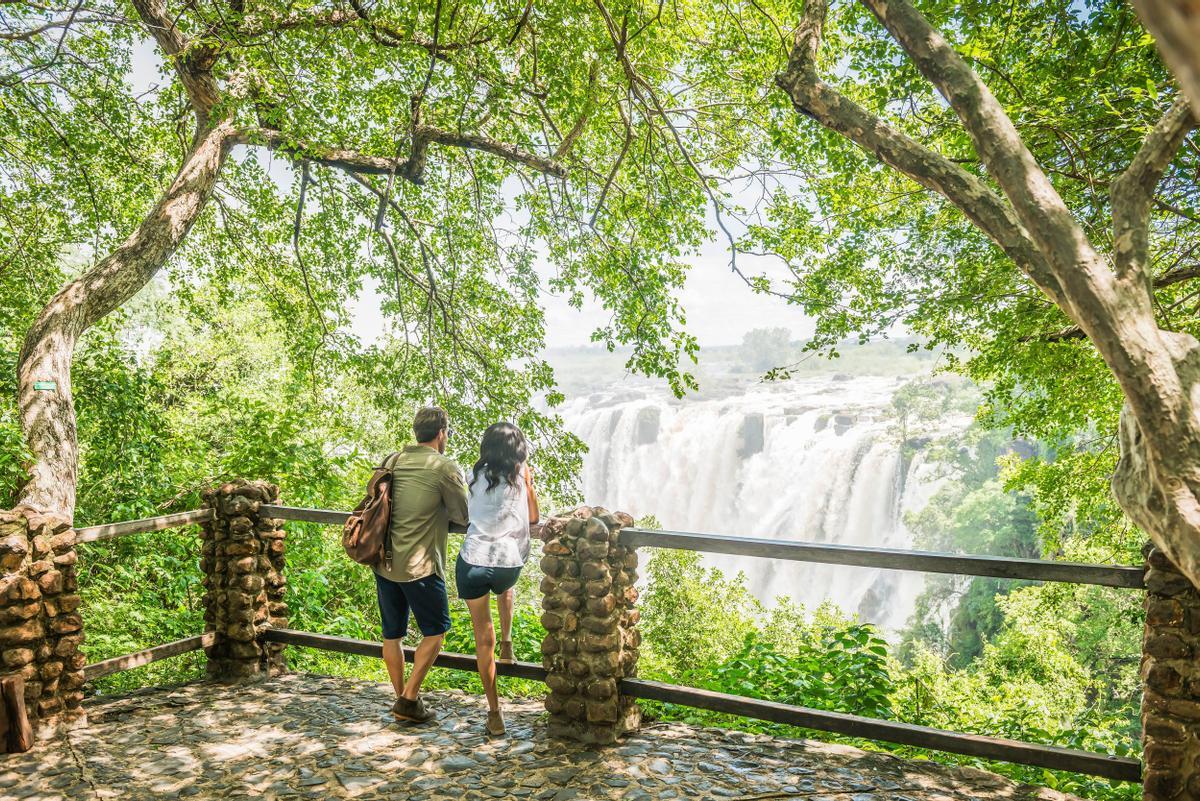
{"x": 428, "y": 495}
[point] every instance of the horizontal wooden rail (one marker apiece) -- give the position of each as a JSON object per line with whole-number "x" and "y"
{"x": 306, "y": 515}
{"x": 890, "y": 558}
{"x": 110, "y": 530}
{"x": 1044, "y": 756}
{"x": 345, "y": 645}
{"x": 854, "y": 555}
{"x": 130, "y": 661}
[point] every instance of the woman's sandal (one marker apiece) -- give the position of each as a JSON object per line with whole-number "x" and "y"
{"x": 495, "y": 724}
{"x": 506, "y": 652}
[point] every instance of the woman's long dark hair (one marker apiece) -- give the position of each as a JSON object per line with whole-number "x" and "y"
{"x": 501, "y": 454}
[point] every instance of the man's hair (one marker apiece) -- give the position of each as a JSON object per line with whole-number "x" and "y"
{"x": 429, "y": 422}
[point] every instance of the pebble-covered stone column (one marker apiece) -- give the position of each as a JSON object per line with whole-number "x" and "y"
{"x": 40, "y": 626}
{"x": 242, "y": 561}
{"x": 1171, "y": 674}
{"x": 591, "y": 636}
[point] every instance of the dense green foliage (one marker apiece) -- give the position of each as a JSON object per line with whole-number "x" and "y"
{"x": 1032, "y": 680}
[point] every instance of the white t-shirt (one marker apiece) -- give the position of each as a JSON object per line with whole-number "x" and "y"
{"x": 498, "y": 534}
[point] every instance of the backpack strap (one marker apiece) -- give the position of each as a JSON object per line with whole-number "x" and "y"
{"x": 388, "y": 464}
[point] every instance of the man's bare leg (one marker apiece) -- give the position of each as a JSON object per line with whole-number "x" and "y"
{"x": 423, "y": 658}
{"x": 393, "y": 657}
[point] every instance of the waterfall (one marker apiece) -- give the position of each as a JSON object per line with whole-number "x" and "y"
{"x": 816, "y": 459}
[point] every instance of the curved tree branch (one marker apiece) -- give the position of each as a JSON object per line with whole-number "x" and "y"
{"x": 1132, "y": 193}
{"x": 1114, "y": 307}
{"x": 589, "y": 106}
{"x": 988, "y": 210}
{"x": 193, "y": 68}
{"x": 412, "y": 168}
{"x": 1087, "y": 279}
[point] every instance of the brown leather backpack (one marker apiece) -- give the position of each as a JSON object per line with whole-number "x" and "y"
{"x": 366, "y": 536}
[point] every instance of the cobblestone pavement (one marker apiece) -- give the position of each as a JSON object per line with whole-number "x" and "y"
{"x": 302, "y": 737}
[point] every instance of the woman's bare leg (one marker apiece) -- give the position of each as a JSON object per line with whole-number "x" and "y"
{"x": 504, "y": 605}
{"x": 485, "y": 647}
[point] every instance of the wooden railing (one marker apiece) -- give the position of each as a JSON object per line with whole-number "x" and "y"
{"x": 1046, "y": 756}
{"x": 1006, "y": 567}
{"x": 110, "y": 531}
{"x": 892, "y": 559}
{"x": 139, "y": 658}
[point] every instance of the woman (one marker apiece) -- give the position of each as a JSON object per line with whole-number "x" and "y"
{"x": 501, "y": 505}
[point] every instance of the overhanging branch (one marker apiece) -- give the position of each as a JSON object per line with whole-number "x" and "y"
{"x": 1084, "y": 275}
{"x": 299, "y": 149}
{"x": 412, "y": 168}
{"x": 486, "y": 144}
{"x": 1133, "y": 192}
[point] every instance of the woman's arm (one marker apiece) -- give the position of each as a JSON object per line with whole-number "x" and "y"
{"x": 531, "y": 494}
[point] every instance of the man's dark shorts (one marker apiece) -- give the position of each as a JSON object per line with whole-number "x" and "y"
{"x": 425, "y": 598}
{"x": 474, "y": 581}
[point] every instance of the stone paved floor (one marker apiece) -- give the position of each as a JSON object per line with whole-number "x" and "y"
{"x": 316, "y": 737}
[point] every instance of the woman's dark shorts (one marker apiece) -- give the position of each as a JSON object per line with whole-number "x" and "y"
{"x": 425, "y": 598}
{"x": 475, "y": 581}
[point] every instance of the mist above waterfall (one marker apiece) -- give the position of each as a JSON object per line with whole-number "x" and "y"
{"x": 817, "y": 458}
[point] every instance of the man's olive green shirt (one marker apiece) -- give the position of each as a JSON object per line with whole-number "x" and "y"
{"x": 428, "y": 494}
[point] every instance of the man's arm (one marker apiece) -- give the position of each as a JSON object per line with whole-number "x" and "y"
{"x": 454, "y": 496}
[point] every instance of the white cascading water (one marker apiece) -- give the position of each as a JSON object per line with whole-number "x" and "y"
{"x": 814, "y": 459}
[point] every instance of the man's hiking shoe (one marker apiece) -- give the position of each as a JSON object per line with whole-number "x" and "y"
{"x": 506, "y": 651}
{"x": 413, "y": 711}
{"x": 495, "y": 724}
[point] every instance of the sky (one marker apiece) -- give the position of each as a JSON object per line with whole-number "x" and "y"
{"x": 720, "y": 309}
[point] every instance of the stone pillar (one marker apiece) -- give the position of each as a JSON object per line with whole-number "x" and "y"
{"x": 40, "y": 626}
{"x": 592, "y": 641}
{"x": 242, "y": 561}
{"x": 1171, "y": 677}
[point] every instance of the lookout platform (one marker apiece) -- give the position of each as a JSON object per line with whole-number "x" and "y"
{"x": 304, "y": 736}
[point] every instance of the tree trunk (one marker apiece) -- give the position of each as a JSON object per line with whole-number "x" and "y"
{"x": 44, "y": 369}
{"x": 1157, "y": 480}
{"x": 1176, "y": 28}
